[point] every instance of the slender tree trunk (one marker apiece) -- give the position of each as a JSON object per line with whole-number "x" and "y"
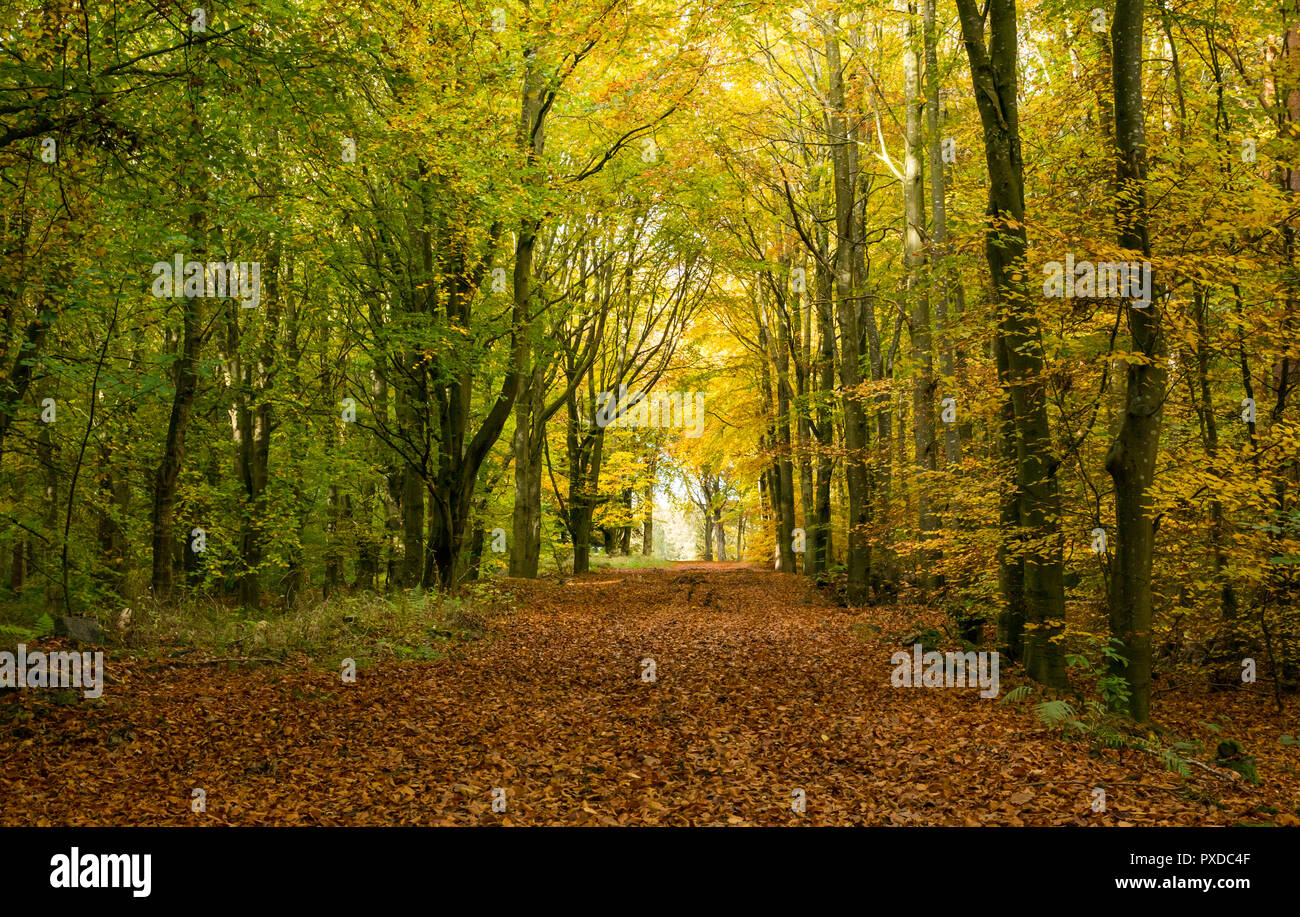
{"x": 45, "y": 455}
{"x": 412, "y": 408}
{"x": 801, "y": 326}
{"x": 1131, "y": 459}
{"x": 784, "y": 468}
{"x": 333, "y": 557}
{"x": 625, "y": 531}
{"x": 707, "y": 520}
{"x": 648, "y": 518}
{"x": 185, "y": 377}
{"x": 941, "y": 268}
{"x": 114, "y": 545}
{"x": 855, "y": 423}
{"x": 1230, "y": 652}
{"x": 922, "y": 343}
{"x": 295, "y": 577}
{"x": 374, "y": 506}
{"x": 173, "y": 456}
{"x": 821, "y": 537}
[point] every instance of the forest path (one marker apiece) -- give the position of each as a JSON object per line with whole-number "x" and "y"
{"x": 761, "y": 688}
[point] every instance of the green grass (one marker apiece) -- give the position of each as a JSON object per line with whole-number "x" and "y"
{"x": 635, "y": 562}
{"x": 366, "y": 627}
{"x": 547, "y": 564}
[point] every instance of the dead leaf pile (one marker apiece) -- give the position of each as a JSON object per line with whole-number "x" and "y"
{"x": 760, "y": 689}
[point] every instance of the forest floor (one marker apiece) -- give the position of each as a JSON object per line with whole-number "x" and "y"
{"x": 761, "y": 688}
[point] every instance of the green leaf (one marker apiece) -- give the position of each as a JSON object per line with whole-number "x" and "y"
{"x": 1055, "y": 712}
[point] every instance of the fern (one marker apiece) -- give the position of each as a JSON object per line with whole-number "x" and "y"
{"x": 1109, "y": 738}
{"x": 1016, "y": 695}
{"x": 1175, "y": 762}
{"x": 17, "y": 632}
{"x": 1055, "y": 712}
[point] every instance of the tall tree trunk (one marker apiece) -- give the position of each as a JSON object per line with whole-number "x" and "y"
{"x": 185, "y": 378}
{"x": 251, "y": 372}
{"x": 784, "y": 468}
{"x": 946, "y": 277}
{"x": 947, "y": 285}
{"x": 412, "y": 401}
{"x": 1131, "y": 459}
{"x": 45, "y": 455}
{"x": 1230, "y": 651}
{"x": 295, "y": 577}
{"x": 801, "y": 328}
{"x": 173, "y": 456}
{"x": 820, "y": 537}
{"x": 994, "y": 78}
{"x": 922, "y": 342}
{"x": 847, "y": 306}
{"x": 369, "y": 550}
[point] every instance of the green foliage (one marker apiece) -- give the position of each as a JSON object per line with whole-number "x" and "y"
{"x": 1056, "y": 713}
{"x": 632, "y": 562}
{"x": 1098, "y": 670}
{"x": 1017, "y": 694}
{"x": 14, "y": 634}
{"x": 1174, "y": 762}
{"x": 365, "y": 627}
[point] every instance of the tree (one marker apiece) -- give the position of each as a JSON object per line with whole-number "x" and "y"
{"x": 994, "y": 78}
